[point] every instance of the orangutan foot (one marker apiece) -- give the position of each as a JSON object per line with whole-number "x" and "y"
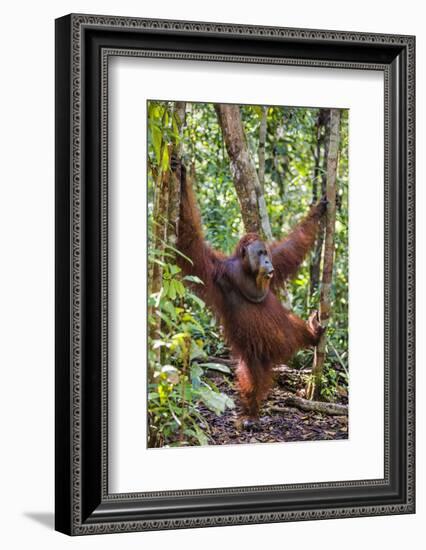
{"x": 315, "y": 326}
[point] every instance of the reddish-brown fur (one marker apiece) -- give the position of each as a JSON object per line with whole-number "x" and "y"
{"x": 259, "y": 334}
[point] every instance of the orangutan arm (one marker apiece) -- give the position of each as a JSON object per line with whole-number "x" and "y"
{"x": 289, "y": 253}
{"x": 198, "y": 258}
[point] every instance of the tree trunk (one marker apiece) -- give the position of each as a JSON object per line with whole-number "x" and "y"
{"x": 246, "y": 181}
{"x": 281, "y": 165}
{"x": 314, "y": 386}
{"x": 160, "y": 216}
{"x": 261, "y": 149}
{"x": 166, "y": 211}
{"x": 323, "y": 136}
{"x": 174, "y": 184}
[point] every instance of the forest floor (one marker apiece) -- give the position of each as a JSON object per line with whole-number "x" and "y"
{"x": 278, "y": 421}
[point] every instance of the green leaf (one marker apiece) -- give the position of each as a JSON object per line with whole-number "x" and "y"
{"x": 174, "y": 269}
{"x": 201, "y": 436}
{"x": 166, "y": 319}
{"x": 153, "y": 396}
{"x": 157, "y": 140}
{"x": 216, "y": 402}
{"x": 216, "y": 366}
{"x": 180, "y": 289}
{"x": 178, "y": 422}
{"x": 197, "y": 300}
{"x": 196, "y": 351}
{"x": 172, "y": 290}
{"x": 165, "y": 163}
{"x": 196, "y": 373}
{"x": 159, "y": 344}
{"x": 171, "y": 310}
{"x": 193, "y": 279}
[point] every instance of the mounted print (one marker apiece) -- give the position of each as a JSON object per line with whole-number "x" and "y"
{"x": 234, "y": 274}
{"x": 263, "y": 254}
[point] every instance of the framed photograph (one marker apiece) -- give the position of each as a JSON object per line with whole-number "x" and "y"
{"x": 234, "y": 274}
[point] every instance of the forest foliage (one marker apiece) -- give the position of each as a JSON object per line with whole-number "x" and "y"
{"x": 288, "y": 146}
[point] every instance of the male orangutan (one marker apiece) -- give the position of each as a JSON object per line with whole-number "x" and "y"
{"x": 241, "y": 291}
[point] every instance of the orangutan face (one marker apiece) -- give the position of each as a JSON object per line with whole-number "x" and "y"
{"x": 260, "y": 260}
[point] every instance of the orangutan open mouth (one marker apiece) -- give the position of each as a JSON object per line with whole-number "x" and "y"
{"x": 268, "y": 275}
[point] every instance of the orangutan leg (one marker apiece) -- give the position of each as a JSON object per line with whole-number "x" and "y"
{"x": 254, "y": 382}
